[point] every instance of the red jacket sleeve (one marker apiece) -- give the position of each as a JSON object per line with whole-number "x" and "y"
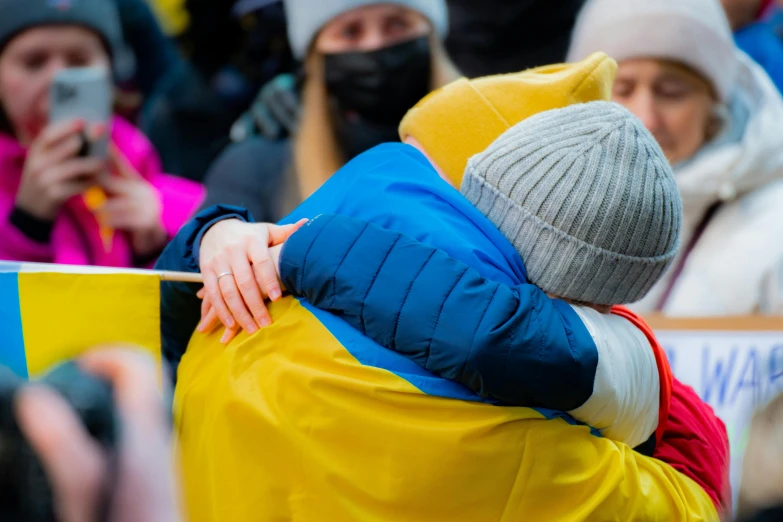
{"x": 696, "y": 444}
{"x": 690, "y": 437}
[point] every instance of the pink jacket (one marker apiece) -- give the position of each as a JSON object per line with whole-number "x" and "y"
{"x": 76, "y": 236}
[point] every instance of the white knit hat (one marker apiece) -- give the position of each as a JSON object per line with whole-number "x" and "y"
{"x": 586, "y": 197}
{"x": 307, "y": 17}
{"x": 695, "y": 33}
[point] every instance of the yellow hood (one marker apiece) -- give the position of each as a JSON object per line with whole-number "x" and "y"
{"x": 464, "y": 117}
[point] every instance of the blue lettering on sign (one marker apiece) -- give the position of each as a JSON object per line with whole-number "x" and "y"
{"x": 719, "y": 377}
{"x": 749, "y": 377}
{"x": 775, "y": 369}
{"x": 671, "y": 355}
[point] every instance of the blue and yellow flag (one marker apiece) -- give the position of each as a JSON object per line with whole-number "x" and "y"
{"x": 51, "y": 313}
{"x": 308, "y": 420}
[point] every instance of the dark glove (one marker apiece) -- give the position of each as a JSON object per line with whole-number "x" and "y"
{"x": 274, "y": 113}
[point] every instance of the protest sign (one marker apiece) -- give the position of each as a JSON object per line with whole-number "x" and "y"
{"x": 734, "y": 364}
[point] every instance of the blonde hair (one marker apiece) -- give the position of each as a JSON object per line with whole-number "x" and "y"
{"x": 317, "y": 154}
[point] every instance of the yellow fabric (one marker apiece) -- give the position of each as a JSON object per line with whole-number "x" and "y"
{"x": 95, "y": 198}
{"x": 173, "y": 15}
{"x": 287, "y": 425}
{"x": 463, "y": 118}
{"x": 64, "y": 314}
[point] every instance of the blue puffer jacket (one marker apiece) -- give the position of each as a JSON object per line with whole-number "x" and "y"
{"x": 180, "y": 308}
{"x": 510, "y": 343}
{"x": 541, "y": 353}
{"x": 763, "y": 41}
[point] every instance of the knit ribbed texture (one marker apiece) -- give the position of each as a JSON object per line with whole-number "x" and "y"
{"x": 306, "y": 18}
{"x": 587, "y": 198}
{"x": 99, "y": 15}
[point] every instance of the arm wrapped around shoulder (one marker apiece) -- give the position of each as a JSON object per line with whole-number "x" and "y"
{"x": 625, "y": 402}
{"x": 509, "y": 343}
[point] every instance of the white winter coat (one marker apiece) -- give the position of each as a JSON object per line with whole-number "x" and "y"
{"x": 736, "y": 266}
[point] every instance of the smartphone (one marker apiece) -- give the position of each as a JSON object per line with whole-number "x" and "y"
{"x": 85, "y": 93}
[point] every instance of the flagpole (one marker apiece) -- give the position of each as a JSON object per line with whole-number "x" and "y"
{"x": 181, "y": 277}
{"x": 164, "y": 275}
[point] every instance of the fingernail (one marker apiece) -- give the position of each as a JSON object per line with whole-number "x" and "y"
{"x": 265, "y": 322}
{"x": 274, "y": 295}
{"x": 224, "y": 339}
{"x": 253, "y": 329}
{"x": 200, "y": 328}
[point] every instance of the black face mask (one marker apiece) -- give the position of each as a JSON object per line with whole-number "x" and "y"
{"x": 380, "y": 86}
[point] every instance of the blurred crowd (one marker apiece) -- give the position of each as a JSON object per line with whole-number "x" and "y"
{"x": 261, "y": 102}
{"x": 257, "y": 103}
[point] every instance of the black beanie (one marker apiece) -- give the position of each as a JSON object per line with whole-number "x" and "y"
{"x": 98, "y": 15}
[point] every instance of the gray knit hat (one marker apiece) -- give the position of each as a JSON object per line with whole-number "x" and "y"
{"x": 587, "y": 197}
{"x": 98, "y": 15}
{"x": 307, "y": 17}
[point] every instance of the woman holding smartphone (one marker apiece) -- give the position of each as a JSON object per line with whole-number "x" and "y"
{"x": 56, "y": 204}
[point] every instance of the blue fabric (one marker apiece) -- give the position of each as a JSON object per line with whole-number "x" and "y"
{"x": 394, "y": 187}
{"x": 11, "y": 334}
{"x": 763, "y": 41}
{"x": 372, "y": 355}
{"x": 180, "y": 308}
{"x": 509, "y": 344}
{"x": 472, "y": 317}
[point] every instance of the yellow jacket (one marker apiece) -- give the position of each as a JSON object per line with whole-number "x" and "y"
{"x": 288, "y": 425}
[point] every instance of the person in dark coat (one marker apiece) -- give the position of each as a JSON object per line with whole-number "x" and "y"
{"x": 231, "y": 49}
{"x": 505, "y": 37}
{"x": 498, "y": 36}
{"x": 366, "y": 62}
{"x": 153, "y": 52}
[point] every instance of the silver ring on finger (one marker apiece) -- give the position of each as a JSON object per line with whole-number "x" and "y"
{"x": 224, "y": 274}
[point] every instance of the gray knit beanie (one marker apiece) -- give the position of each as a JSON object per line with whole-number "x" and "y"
{"x": 587, "y": 197}
{"x": 98, "y": 15}
{"x": 307, "y": 17}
